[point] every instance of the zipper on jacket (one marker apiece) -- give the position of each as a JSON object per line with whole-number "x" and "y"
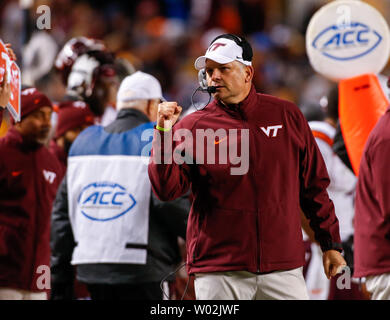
{"x": 257, "y": 224}
{"x": 200, "y": 223}
{"x": 253, "y": 174}
{"x": 37, "y": 225}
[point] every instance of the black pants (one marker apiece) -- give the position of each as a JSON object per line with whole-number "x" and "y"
{"x": 144, "y": 291}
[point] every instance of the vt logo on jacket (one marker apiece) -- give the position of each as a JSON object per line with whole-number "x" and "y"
{"x": 49, "y": 176}
{"x": 104, "y": 201}
{"x": 270, "y": 129}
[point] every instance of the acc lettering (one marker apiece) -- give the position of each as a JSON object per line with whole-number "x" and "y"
{"x": 101, "y": 197}
{"x": 114, "y": 198}
{"x": 94, "y": 196}
{"x": 345, "y": 40}
{"x": 267, "y": 130}
{"x": 348, "y": 37}
{"x": 104, "y": 199}
{"x": 359, "y": 39}
{"x": 49, "y": 176}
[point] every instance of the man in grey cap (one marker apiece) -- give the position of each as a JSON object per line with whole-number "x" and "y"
{"x": 106, "y": 220}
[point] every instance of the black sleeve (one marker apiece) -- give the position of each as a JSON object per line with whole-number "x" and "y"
{"x": 172, "y": 214}
{"x": 62, "y": 245}
{"x": 339, "y": 147}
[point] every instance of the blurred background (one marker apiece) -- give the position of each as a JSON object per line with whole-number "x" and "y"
{"x": 163, "y": 37}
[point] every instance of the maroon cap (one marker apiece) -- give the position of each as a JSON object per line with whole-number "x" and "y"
{"x": 31, "y": 100}
{"x": 73, "y": 114}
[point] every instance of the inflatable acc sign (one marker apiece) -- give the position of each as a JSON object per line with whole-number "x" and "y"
{"x": 347, "y": 38}
{"x": 104, "y": 201}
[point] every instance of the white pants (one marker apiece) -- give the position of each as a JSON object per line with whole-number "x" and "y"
{"x": 243, "y": 285}
{"x": 18, "y": 294}
{"x": 379, "y": 286}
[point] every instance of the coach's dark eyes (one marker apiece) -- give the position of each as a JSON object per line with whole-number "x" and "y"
{"x": 209, "y": 71}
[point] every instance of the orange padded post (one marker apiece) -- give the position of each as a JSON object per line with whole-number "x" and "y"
{"x": 361, "y": 103}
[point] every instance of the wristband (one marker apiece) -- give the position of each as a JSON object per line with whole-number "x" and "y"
{"x": 162, "y": 129}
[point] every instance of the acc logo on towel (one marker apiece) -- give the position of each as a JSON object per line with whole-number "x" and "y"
{"x": 104, "y": 201}
{"x": 347, "y": 42}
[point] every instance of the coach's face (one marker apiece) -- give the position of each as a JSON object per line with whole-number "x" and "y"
{"x": 35, "y": 127}
{"x": 233, "y": 80}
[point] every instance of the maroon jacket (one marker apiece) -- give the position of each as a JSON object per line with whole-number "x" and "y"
{"x": 29, "y": 177}
{"x": 252, "y": 221}
{"x": 372, "y": 208}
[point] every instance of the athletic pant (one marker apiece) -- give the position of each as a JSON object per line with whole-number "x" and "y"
{"x": 243, "y": 285}
{"x": 379, "y": 286}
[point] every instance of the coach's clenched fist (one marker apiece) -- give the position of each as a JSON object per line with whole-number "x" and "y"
{"x": 167, "y": 115}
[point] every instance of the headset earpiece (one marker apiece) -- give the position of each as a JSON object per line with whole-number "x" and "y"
{"x": 203, "y": 87}
{"x": 202, "y": 79}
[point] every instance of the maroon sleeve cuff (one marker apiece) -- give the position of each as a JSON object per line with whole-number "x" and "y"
{"x": 331, "y": 246}
{"x": 162, "y": 146}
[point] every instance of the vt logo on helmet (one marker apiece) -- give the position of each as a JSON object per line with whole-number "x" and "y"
{"x": 104, "y": 201}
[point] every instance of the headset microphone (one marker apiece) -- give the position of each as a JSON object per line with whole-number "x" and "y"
{"x": 203, "y": 83}
{"x": 203, "y": 87}
{"x": 211, "y": 89}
